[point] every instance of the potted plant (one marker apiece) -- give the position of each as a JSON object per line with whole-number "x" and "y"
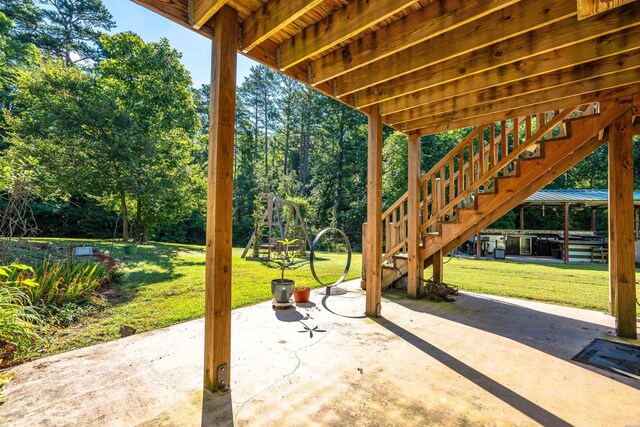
{"x": 301, "y": 293}
{"x": 282, "y": 288}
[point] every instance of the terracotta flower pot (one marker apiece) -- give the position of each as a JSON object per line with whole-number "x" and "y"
{"x": 301, "y": 295}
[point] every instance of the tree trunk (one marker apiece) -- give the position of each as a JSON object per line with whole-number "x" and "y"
{"x": 138, "y": 227}
{"x": 125, "y": 217}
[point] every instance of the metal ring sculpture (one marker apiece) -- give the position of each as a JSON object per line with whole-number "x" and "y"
{"x": 313, "y": 250}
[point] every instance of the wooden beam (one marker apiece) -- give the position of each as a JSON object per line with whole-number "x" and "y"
{"x": 176, "y": 11}
{"x": 423, "y": 24}
{"x": 444, "y": 81}
{"x": 438, "y": 267}
{"x": 414, "y": 272}
{"x": 565, "y": 252}
{"x": 622, "y": 271}
{"x": 554, "y": 79}
{"x": 593, "y": 218}
{"x": 506, "y": 23}
{"x": 521, "y": 225}
{"x": 609, "y": 81}
{"x": 271, "y": 18}
{"x": 547, "y": 105}
{"x": 374, "y": 214}
{"x": 200, "y": 11}
{"x": 588, "y": 8}
{"x": 217, "y": 323}
{"x": 346, "y": 22}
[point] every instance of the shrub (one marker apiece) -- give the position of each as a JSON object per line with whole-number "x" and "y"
{"x": 54, "y": 283}
{"x": 18, "y": 320}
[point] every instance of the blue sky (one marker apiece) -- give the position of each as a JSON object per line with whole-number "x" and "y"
{"x": 196, "y": 49}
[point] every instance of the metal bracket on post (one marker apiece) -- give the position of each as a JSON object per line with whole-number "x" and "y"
{"x": 221, "y": 381}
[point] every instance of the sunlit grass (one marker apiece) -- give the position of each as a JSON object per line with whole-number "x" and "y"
{"x": 164, "y": 285}
{"x": 575, "y": 285}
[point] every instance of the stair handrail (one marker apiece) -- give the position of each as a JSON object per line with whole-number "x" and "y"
{"x": 498, "y": 166}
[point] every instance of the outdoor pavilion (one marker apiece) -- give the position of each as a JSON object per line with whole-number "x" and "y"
{"x": 420, "y": 67}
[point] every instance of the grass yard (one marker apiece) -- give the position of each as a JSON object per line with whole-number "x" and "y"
{"x": 574, "y": 285}
{"x": 163, "y": 284}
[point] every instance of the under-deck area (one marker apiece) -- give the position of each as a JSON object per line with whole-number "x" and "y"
{"x": 480, "y": 360}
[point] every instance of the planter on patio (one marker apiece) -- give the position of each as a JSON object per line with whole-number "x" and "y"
{"x": 301, "y": 295}
{"x": 282, "y": 289}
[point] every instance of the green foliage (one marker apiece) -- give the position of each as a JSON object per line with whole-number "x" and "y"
{"x": 53, "y": 283}
{"x": 18, "y": 320}
{"x": 286, "y": 257}
{"x": 70, "y": 30}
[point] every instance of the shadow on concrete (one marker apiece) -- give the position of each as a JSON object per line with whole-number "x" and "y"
{"x": 288, "y": 315}
{"x": 217, "y": 409}
{"x": 559, "y": 336}
{"x": 503, "y": 393}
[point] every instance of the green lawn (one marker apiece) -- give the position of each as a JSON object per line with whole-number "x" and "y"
{"x": 164, "y": 285}
{"x": 574, "y": 285}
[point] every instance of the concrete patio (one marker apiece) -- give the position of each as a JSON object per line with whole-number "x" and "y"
{"x": 481, "y": 360}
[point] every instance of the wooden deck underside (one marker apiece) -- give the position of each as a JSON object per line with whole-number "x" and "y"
{"x": 431, "y": 66}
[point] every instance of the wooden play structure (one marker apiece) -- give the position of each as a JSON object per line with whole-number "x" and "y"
{"x": 543, "y": 83}
{"x": 278, "y": 219}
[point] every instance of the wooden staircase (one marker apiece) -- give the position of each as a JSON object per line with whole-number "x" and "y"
{"x": 491, "y": 171}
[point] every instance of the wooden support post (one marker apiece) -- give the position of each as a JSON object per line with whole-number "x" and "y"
{"x": 374, "y": 213}
{"x": 593, "y": 218}
{"x": 217, "y": 323}
{"x": 363, "y": 279}
{"x": 566, "y": 233}
{"x": 621, "y": 243}
{"x": 521, "y": 218}
{"x": 478, "y": 245}
{"x": 413, "y": 210}
{"x": 437, "y": 267}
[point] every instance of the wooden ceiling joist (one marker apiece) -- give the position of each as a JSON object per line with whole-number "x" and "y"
{"x": 434, "y": 65}
{"x": 555, "y": 104}
{"x": 567, "y": 76}
{"x": 200, "y": 11}
{"x": 271, "y": 18}
{"x": 601, "y": 55}
{"x": 559, "y": 45}
{"x": 343, "y": 24}
{"x": 431, "y": 21}
{"x": 505, "y": 106}
{"x": 589, "y": 8}
{"x": 517, "y": 19}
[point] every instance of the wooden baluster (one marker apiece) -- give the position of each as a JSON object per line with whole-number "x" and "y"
{"x": 461, "y": 172}
{"x": 433, "y": 195}
{"x": 504, "y": 139}
{"x": 451, "y": 179}
{"x": 492, "y": 146}
{"x": 401, "y": 236}
{"x": 516, "y": 132}
{"x": 481, "y": 159}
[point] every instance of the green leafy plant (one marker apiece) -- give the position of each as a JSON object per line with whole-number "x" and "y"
{"x": 286, "y": 259}
{"x": 54, "y": 283}
{"x": 4, "y": 380}
{"x": 19, "y": 321}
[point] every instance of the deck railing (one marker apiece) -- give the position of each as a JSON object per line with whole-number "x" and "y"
{"x": 487, "y": 152}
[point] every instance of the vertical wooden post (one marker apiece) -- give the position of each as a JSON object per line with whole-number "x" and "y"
{"x": 621, "y": 243}
{"x": 217, "y": 323}
{"x": 363, "y": 279}
{"x": 478, "y": 245}
{"x": 374, "y": 213}
{"x": 438, "y": 266}
{"x": 566, "y": 233}
{"x": 593, "y": 218}
{"x": 413, "y": 210}
{"x": 521, "y": 218}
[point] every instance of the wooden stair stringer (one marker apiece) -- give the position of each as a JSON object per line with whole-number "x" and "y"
{"x": 559, "y": 155}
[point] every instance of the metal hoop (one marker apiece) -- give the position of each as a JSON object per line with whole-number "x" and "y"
{"x": 313, "y": 250}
